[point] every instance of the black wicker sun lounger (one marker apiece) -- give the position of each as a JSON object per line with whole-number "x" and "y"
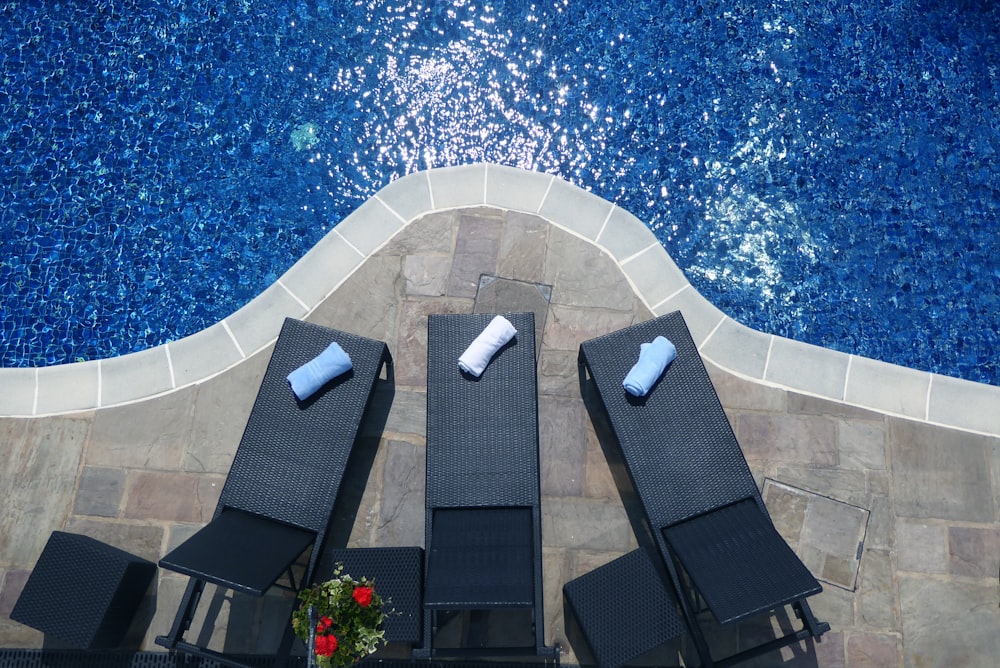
{"x": 483, "y": 514}
{"x": 279, "y": 496}
{"x": 696, "y": 490}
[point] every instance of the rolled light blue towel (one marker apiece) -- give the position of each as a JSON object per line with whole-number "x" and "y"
{"x": 653, "y": 360}
{"x": 315, "y": 373}
{"x": 484, "y": 347}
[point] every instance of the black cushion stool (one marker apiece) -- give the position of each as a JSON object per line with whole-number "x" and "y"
{"x": 83, "y": 591}
{"x": 398, "y": 576}
{"x": 622, "y": 610}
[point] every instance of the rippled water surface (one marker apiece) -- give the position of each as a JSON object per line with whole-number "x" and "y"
{"x": 826, "y": 171}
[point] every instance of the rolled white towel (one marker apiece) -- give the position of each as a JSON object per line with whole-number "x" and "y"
{"x": 481, "y": 350}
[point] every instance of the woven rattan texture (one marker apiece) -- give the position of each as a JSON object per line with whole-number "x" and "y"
{"x": 770, "y": 573}
{"x": 30, "y": 658}
{"x": 292, "y": 456}
{"x": 33, "y": 658}
{"x": 240, "y": 550}
{"x": 678, "y": 444}
{"x": 397, "y": 573}
{"x": 481, "y": 558}
{"x": 684, "y": 462}
{"x": 83, "y": 591}
{"x": 482, "y": 433}
{"x": 623, "y": 609}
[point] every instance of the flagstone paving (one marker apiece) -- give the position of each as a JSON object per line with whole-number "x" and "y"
{"x": 898, "y": 518}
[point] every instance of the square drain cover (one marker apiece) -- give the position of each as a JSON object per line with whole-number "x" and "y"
{"x": 828, "y": 535}
{"x": 505, "y": 295}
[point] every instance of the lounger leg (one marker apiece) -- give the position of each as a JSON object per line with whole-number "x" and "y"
{"x": 689, "y": 604}
{"x": 423, "y": 652}
{"x": 687, "y": 597}
{"x": 174, "y": 641}
{"x": 811, "y": 628}
{"x": 185, "y": 613}
{"x": 694, "y": 629}
{"x": 285, "y": 647}
{"x": 387, "y": 367}
{"x": 815, "y": 627}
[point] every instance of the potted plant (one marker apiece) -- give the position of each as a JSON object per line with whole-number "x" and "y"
{"x": 344, "y": 617}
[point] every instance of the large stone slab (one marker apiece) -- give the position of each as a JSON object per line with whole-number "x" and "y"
{"x": 221, "y": 409}
{"x": 143, "y": 540}
{"x": 940, "y": 473}
{"x": 171, "y": 497}
{"x": 921, "y": 547}
{"x": 401, "y": 506}
{"x": 37, "y": 482}
{"x": 877, "y": 604}
{"x": 780, "y": 438}
{"x": 562, "y": 446}
{"x": 949, "y": 622}
{"x": 410, "y": 351}
{"x": 861, "y": 444}
{"x": 568, "y": 327}
{"x": 407, "y": 412}
{"x": 737, "y": 393}
{"x": 147, "y": 434}
{"x": 522, "y": 247}
{"x": 554, "y": 575}
{"x": 100, "y": 491}
{"x": 873, "y": 649}
{"x": 583, "y": 276}
{"x": 433, "y": 234}
{"x": 835, "y": 606}
{"x": 557, "y": 373}
{"x": 586, "y": 524}
{"x": 367, "y": 302}
{"x": 426, "y": 275}
{"x": 599, "y": 481}
{"x": 477, "y": 247}
{"x": 974, "y": 551}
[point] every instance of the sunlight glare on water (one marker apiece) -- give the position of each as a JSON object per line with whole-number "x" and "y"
{"x": 817, "y": 173}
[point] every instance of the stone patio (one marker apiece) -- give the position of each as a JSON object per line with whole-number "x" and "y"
{"x": 900, "y": 519}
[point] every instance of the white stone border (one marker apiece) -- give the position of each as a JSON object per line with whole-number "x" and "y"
{"x": 657, "y": 281}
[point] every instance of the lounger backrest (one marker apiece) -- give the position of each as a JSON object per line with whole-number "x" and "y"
{"x": 291, "y": 460}
{"x": 482, "y": 433}
{"x": 682, "y": 454}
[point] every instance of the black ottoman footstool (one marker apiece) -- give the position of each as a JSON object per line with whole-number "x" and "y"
{"x": 398, "y": 576}
{"x": 620, "y": 611}
{"x": 83, "y": 592}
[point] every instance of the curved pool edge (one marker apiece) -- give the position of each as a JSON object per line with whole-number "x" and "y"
{"x": 653, "y": 275}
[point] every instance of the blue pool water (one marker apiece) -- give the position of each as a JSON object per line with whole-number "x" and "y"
{"x": 826, "y": 171}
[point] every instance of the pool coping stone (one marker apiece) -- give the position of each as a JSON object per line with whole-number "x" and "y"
{"x": 655, "y": 278}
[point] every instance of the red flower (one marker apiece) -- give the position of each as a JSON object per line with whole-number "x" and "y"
{"x": 326, "y": 645}
{"x": 323, "y": 624}
{"x": 363, "y": 595}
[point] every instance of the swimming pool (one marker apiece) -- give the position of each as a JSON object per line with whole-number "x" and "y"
{"x": 823, "y": 171}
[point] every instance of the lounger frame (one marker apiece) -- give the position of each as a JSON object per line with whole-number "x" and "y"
{"x": 285, "y": 477}
{"x": 696, "y": 491}
{"x": 482, "y": 503}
